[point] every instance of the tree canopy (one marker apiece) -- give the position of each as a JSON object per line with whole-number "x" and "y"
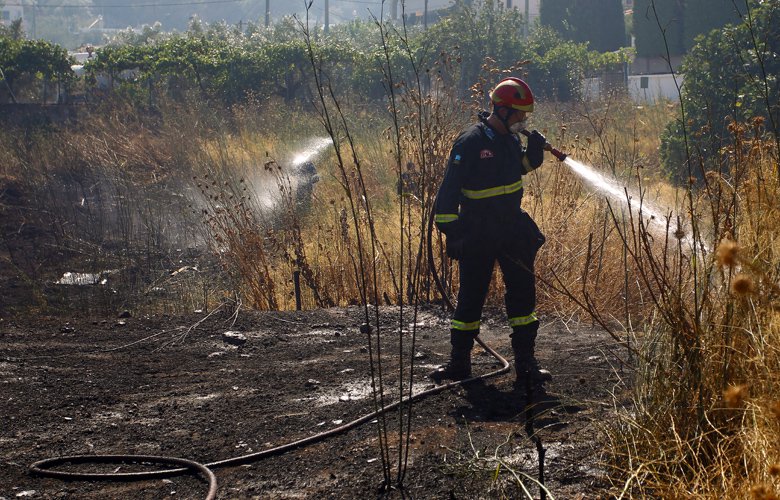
{"x": 600, "y": 23}
{"x": 674, "y": 24}
{"x": 731, "y": 75}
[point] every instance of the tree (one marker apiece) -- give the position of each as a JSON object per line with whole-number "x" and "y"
{"x": 702, "y": 16}
{"x": 557, "y": 15}
{"x": 731, "y": 74}
{"x": 658, "y": 24}
{"x": 557, "y": 67}
{"x": 600, "y": 23}
{"x": 15, "y": 30}
{"x": 218, "y": 61}
{"x": 476, "y": 31}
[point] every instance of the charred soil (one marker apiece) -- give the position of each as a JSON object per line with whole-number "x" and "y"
{"x": 176, "y": 386}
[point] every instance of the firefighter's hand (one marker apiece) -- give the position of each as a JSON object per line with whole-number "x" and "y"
{"x": 536, "y": 141}
{"x": 535, "y": 150}
{"x": 454, "y": 247}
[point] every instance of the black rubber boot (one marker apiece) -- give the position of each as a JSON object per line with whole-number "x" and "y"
{"x": 459, "y": 365}
{"x": 526, "y": 366}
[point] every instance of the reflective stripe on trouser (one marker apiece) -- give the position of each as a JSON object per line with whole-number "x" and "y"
{"x": 523, "y": 320}
{"x": 462, "y": 326}
{"x": 445, "y": 218}
{"x": 476, "y": 271}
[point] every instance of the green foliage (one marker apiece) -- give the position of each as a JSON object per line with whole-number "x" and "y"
{"x": 703, "y": 16}
{"x": 730, "y": 75}
{"x": 219, "y": 61}
{"x": 558, "y": 67}
{"x": 13, "y": 30}
{"x": 557, "y": 15}
{"x": 30, "y": 61}
{"x": 600, "y": 22}
{"x": 476, "y": 31}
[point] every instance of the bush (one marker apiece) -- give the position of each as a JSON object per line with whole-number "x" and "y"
{"x": 27, "y": 63}
{"x": 731, "y": 75}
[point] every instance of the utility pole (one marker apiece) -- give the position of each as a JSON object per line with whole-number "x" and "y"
{"x": 394, "y": 7}
{"x": 327, "y": 15}
{"x": 34, "y": 24}
{"x": 425, "y": 15}
{"x": 267, "y": 12}
{"x": 526, "y": 18}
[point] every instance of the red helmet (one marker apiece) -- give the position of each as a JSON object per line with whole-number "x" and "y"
{"x": 513, "y": 93}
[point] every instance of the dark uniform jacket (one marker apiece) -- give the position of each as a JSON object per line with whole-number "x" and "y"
{"x": 479, "y": 198}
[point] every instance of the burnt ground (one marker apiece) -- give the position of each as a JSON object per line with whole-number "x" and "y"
{"x": 170, "y": 385}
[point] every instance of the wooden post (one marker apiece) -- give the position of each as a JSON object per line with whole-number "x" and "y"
{"x": 297, "y": 284}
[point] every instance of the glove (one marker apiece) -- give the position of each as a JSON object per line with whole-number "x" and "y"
{"x": 535, "y": 149}
{"x": 454, "y": 247}
{"x": 536, "y": 141}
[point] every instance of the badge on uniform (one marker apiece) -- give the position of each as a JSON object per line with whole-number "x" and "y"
{"x": 486, "y": 153}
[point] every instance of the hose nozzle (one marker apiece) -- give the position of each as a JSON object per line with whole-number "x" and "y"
{"x": 548, "y": 147}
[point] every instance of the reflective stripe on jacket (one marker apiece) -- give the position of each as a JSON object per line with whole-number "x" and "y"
{"x": 483, "y": 180}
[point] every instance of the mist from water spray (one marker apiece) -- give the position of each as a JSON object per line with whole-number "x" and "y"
{"x": 267, "y": 191}
{"x": 610, "y": 187}
{"x": 312, "y": 150}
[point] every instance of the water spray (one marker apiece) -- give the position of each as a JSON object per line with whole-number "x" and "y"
{"x": 613, "y": 189}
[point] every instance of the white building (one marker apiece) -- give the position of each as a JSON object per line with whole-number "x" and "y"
{"x": 654, "y": 88}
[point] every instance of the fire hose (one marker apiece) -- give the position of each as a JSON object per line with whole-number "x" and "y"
{"x": 45, "y": 467}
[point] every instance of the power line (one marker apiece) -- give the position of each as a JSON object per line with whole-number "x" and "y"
{"x": 79, "y": 6}
{"x": 166, "y": 4}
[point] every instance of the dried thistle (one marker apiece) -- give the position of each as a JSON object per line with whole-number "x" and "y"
{"x": 775, "y": 409}
{"x": 727, "y": 253}
{"x": 774, "y": 470}
{"x": 742, "y": 284}
{"x": 735, "y": 395}
{"x": 763, "y": 492}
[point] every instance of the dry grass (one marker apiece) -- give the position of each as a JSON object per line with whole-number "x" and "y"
{"x": 701, "y": 423}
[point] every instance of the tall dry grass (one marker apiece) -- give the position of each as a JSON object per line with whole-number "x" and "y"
{"x": 130, "y": 189}
{"x": 703, "y": 421}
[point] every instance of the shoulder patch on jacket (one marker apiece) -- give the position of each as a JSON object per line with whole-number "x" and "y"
{"x": 486, "y": 153}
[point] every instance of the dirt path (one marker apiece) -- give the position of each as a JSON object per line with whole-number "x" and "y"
{"x": 92, "y": 386}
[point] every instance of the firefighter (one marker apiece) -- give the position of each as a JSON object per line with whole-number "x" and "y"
{"x": 478, "y": 209}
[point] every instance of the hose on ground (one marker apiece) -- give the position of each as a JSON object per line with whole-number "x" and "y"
{"x": 44, "y": 467}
